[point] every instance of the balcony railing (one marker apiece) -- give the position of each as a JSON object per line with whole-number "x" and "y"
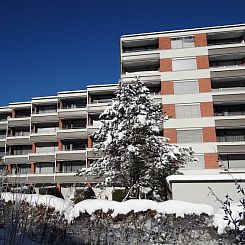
{"x": 233, "y": 138}
{"x": 140, "y": 49}
{"x": 229, "y": 113}
{"x": 223, "y": 42}
{"x": 19, "y": 134}
{"x": 22, "y": 115}
{"x": 49, "y": 131}
{"x": 2, "y": 136}
{"x": 155, "y": 92}
{"x": 102, "y": 101}
{"x": 3, "y": 119}
{"x": 74, "y": 106}
{"x": 74, "y": 149}
{"x": 67, "y": 127}
{"x": 18, "y": 153}
{"x": 41, "y": 152}
{"x": 43, "y": 112}
{"x": 228, "y": 89}
{"x": 142, "y": 72}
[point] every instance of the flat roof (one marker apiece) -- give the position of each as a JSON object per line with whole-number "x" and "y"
{"x": 183, "y": 30}
{"x": 206, "y": 177}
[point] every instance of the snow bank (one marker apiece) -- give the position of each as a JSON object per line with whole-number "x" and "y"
{"x": 219, "y": 215}
{"x": 169, "y": 207}
{"x": 179, "y": 208}
{"x": 58, "y": 204}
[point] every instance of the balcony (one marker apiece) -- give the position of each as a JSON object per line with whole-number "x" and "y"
{"x": 20, "y": 121}
{"x": 94, "y": 126}
{"x": 99, "y": 105}
{"x": 229, "y": 113}
{"x": 228, "y": 89}
{"x": 91, "y": 154}
{"x": 231, "y": 138}
{"x": 140, "y": 49}
{"x": 44, "y": 135}
{"x": 72, "y": 133}
{"x": 101, "y": 101}
{"x": 18, "y": 138}
{"x": 228, "y": 119}
{"x": 233, "y": 161}
{"x": 17, "y": 156}
{"x": 73, "y": 110}
{"x": 3, "y": 123}
{"x": 2, "y": 140}
{"x": 47, "y": 155}
{"x": 75, "y": 154}
{"x": 45, "y": 114}
{"x": 144, "y": 45}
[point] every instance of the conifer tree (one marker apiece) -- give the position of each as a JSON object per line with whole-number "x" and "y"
{"x": 135, "y": 154}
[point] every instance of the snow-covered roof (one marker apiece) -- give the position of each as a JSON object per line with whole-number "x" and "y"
{"x": 206, "y": 177}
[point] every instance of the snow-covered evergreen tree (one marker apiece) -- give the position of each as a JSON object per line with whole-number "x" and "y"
{"x": 135, "y": 155}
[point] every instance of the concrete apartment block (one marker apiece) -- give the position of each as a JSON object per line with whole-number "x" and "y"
{"x": 197, "y": 74}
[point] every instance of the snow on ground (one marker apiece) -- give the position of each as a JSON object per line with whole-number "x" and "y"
{"x": 58, "y": 204}
{"x": 70, "y": 211}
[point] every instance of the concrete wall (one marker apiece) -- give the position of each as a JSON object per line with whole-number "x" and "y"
{"x": 200, "y": 193}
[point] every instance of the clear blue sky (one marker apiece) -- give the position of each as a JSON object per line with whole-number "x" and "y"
{"x": 48, "y": 46}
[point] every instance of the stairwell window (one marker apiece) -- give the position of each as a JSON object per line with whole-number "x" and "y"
{"x": 186, "y": 87}
{"x": 184, "y": 64}
{"x": 189, "y": 136}
{"x": 187, "y": 111}
{"x": 182, "y": 42}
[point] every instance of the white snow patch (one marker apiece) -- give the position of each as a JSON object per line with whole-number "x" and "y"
{"x": 58, "y": 204}
{"x": 142, "y": 119}
{"x": 179, "y": 208}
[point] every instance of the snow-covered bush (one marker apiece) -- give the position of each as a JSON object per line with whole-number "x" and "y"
{"x": 51, "y": 220}
{"x": 135, "y": 155}
{"x": 22, "y": 222}
{"x": 231, "y": 217}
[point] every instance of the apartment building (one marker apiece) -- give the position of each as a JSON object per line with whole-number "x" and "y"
{"x": 200, "y": 76}
{"x": 45, "y": 141}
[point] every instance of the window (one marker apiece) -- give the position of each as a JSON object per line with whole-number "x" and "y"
{"x": 21, "y": 150}
{"x": 184, "y": 64}
{"x": 186, "y": 87}
{"x": 45, "y": 168}
{"x": 182, "y": 42}
{"x": 199, "y": 164}
{"x": 2, "y": 152}
{"x": 189, "y": 136}
{"x": 69, "y": 167}
{"x": 187, "y": 111}
{"x": 47, "y": 109}
{"x": 21, "y": 169}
